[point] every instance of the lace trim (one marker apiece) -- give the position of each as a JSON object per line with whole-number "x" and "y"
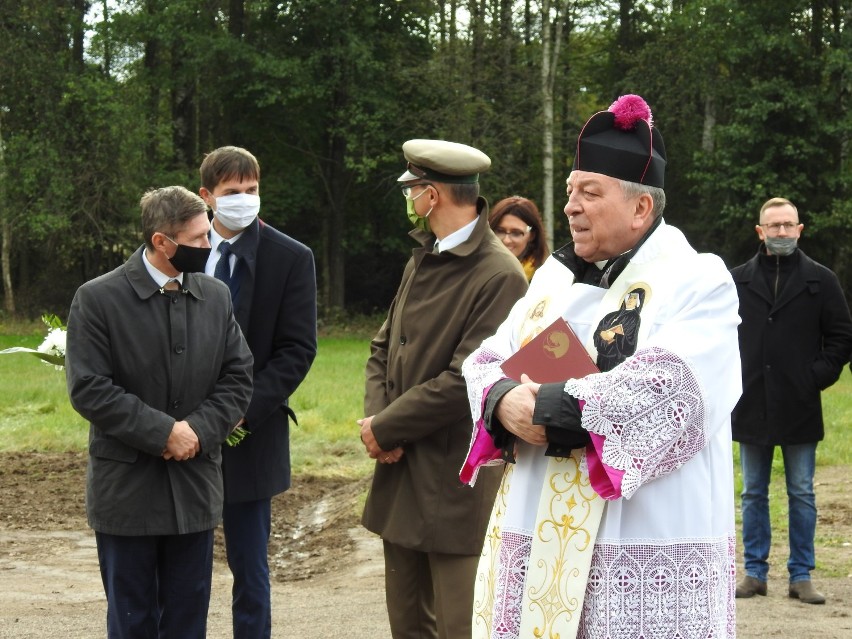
{"x": 515, "y": 549}
{"x": 481, "y": 370}
{"x": 677, "y": 591}
{"x": 650, "y": 411}
{"x": 683, "y": 590}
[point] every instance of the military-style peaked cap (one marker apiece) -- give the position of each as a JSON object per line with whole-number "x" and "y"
{"x": 442, "y": 161}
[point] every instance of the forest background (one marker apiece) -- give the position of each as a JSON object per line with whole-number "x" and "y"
{"x": 100, "y": 101}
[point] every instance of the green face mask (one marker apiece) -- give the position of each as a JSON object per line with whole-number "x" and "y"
{"x": 418, "y": 222}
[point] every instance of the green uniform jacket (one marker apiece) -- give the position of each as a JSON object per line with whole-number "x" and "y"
{"x": 446, "y": 305}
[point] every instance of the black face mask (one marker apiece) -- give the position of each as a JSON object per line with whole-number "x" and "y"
{"x": 189, "y": 259}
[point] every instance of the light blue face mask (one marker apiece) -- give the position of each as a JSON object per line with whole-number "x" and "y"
{"x": 781, "y": 245}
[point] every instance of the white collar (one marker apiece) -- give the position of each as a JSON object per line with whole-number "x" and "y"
{"x": 156, "y": 274}
{"x": 457, "y": 237}
{"x": 215, "y": 241}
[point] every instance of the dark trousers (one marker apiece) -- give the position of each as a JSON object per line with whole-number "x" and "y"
{"x": 157, "y": 587}
{"x": 246, "y": 527}
{"x": 429, "y": 595}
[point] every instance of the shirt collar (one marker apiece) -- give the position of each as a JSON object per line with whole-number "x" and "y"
{"x": 457, "y": 237}
{"x": 215, "y": 241}
{"x": 156, "y": 274}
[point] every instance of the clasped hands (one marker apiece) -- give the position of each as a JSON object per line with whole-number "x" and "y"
{"x": 515, "y": 412}
{"x": 182, "y": 443}
{"x": 373, "y": 449}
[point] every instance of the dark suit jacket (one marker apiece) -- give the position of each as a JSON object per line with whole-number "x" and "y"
{"x": 274, "y": 287}
{"x": 137, "y": 361}
{"x": 791, "y": 348}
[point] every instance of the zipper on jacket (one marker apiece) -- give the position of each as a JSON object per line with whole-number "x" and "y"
{"x": 777, "y": 276}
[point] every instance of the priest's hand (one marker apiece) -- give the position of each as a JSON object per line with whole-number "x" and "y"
{"x": 515, "y": 412}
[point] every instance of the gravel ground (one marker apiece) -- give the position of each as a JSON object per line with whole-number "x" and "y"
{"x": 328, "y": 571}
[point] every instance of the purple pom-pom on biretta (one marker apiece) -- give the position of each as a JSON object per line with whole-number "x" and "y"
{"x": 628, "y": 110}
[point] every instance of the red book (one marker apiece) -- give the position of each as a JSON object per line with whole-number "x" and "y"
{"x": 554, "y": 355}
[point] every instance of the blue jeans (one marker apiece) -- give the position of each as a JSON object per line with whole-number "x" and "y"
{"x": 799, "y": 463}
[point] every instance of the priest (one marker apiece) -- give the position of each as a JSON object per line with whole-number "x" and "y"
{"x": 615, "y": 517}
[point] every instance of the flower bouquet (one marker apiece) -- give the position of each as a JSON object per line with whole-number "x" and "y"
{"x": 52, "y": 350}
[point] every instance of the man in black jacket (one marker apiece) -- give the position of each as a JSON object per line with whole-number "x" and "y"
{"x": 273, "y": 285}
{"x": 795, "y": 338}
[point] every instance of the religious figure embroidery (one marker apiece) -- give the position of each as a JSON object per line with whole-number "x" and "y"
{"x": 617, "y": 333}
{"x": 534, "y": 322}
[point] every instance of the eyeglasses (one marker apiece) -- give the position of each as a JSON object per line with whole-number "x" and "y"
{"x": 406, "y": 191}
{"x": 514, "y": 234}
{"x": 777, "y": 226}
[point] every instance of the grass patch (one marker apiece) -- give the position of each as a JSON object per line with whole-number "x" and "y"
{"x": 35, "y": 413}
{"x": 330, "y": 400}
{"x": 836, "y": 449}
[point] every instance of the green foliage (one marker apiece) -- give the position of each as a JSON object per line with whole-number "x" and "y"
{"x": 752, "y": 98}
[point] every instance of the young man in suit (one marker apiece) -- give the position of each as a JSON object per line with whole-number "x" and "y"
{"x": 273, "y": 285}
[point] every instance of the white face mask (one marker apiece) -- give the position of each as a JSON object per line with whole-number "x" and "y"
{"x": 237, "y": 211}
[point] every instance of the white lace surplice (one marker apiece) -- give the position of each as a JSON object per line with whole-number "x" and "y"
{"x": 663, "y": 562}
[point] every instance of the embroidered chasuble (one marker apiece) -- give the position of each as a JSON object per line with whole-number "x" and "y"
{"x": 634, "y": 535}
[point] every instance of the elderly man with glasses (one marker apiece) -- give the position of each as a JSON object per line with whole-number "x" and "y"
{"x": 795, "y": 338}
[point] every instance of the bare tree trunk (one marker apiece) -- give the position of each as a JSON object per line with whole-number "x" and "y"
{"x": 551, "y": 42}
{"x": 81, "y": 8}
{"x": 335, "y": 255}
{"x": 6, "y": 260}
{"x": 6, "y": 230}
{"x": 107, "y": 43}
{"x": 151, "y": 64}
{"x": 707, "y": 136}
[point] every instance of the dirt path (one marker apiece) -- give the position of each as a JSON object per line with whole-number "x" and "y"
{"x": 327, "y": 569}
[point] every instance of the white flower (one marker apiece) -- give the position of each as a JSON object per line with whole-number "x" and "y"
{"x": 52, "y": 349}
{"x": 54, "y": 343}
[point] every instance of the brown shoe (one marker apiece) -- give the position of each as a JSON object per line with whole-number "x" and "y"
{"x": 805, "y": 592}
{"x": 751, "y": 586}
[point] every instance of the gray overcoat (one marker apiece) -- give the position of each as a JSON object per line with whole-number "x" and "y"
{"x": 138, "y": 359}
